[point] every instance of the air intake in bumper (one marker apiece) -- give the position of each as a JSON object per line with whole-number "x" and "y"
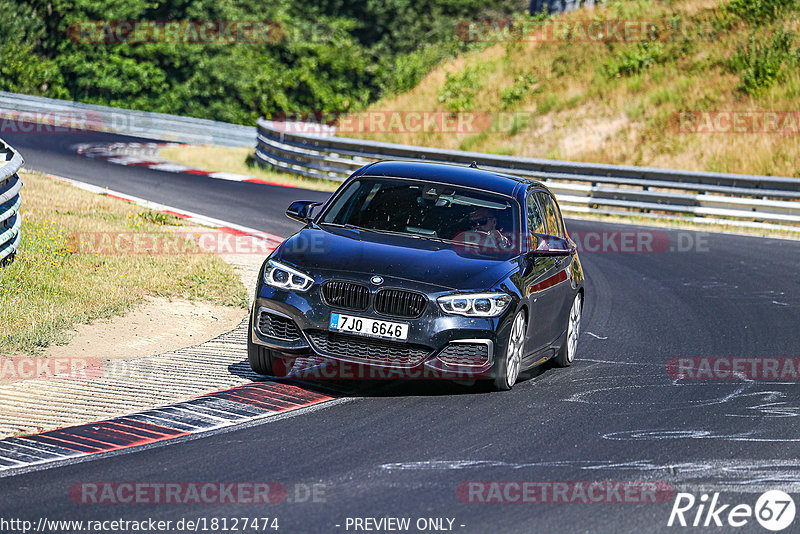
{"x": 366, "y": 350}
{"x": 277, "y": 327}
{"x": 470, "y": 354}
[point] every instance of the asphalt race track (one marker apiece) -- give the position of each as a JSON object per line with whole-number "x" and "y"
{"x": 52, "y": 153}
{"x": 401, "y": 449}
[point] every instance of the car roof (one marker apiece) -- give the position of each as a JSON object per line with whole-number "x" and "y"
{"x": 458, "y": 175}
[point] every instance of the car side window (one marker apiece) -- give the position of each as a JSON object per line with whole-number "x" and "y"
{"x": 561, "y": 223}
{"x": 534, "y": 213}
{"x": 550, "y": 214}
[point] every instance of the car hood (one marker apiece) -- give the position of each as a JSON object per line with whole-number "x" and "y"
{"x": 420, "y": 260}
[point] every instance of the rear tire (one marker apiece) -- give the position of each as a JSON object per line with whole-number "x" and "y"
{"x": 566, "y": 355}
{"x": 261, "y": 358}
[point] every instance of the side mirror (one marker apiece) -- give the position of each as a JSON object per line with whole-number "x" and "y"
{"x": 300, "y": 210}
{"x": 550, "y": 245}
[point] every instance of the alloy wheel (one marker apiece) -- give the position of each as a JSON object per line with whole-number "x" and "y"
{"x": 516, "y": 340}
{"x": 574, "y": 328}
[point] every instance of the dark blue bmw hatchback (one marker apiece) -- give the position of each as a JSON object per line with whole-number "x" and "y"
{"x": 423, "y": 267}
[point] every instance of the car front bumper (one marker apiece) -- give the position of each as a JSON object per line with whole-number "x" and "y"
{"x": 438, "y": 344}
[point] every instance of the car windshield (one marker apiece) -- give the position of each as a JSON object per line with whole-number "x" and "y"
{"x": 422, "y": 209}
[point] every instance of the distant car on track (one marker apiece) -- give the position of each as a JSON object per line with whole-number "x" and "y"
{"x": 423, "y": 266}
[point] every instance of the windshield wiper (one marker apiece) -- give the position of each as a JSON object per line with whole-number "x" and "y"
{"x": 411, "y": 234}
{"x": 347, "y": 226}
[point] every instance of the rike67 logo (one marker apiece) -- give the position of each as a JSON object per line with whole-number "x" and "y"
{"x": 774, "y": 510}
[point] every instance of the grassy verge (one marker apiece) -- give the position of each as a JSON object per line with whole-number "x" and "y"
{"x": 52, "y": 286}
{"x": 238, "y": 160}
{"x": 622, "y": 102}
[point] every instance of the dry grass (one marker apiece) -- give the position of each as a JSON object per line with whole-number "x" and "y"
{"x": 54, "y": 285}
{"x": 238, "y": 160}
{"x": 571, "y": 108}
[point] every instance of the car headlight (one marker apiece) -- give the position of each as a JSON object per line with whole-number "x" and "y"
{"x": 284, "y": 277}
{"x": 475, "y": 304}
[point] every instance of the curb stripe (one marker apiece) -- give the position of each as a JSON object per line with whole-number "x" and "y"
{"x": 43, "y": 447}
{"x": 107, "y": 437}
{"x": 233, "y": 410}
{"x": 207, "y": 412}
{"x": 64, "y": 444}
{"x": 125, "y": 154}
{"x": 282, "y": 399}
{"x": 232, "y": 231}
{"x": 267, "y": 182}
{"x": 127, "y": 427}
{"x": 164, "y": 419}
{"x": 9, "y": 448}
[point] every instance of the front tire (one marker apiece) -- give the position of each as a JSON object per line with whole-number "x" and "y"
{"x": 566, "y": 355}
{"x": 261, "y": 358}
{"x": 508, "y": 367}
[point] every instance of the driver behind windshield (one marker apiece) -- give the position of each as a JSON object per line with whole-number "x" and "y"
{"x": 483, "y": 221}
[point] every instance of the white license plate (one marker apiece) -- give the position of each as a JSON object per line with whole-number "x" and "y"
{"x": 368, "y": 327}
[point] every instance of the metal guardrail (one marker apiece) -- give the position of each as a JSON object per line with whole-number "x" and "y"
{"x": 10, "y": 218}
{"x": 702, "y": 197}
{"x": 67, "y": 114}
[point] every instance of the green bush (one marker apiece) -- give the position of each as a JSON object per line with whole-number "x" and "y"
{"x": 408, "y": 69}
{"x": 763, "y": 59}
{"x": 458, "y": 91}
{"x": 761, "y": 11}
{"x": 21, "y": 70}
{"x": 522, "y": 87}
{"x": 335, "y": 56}
{"x": 635, "y": 59}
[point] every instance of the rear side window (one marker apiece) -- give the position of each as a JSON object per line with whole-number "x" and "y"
{"x": 535, "y": 218}
{"x": 551, "y": 215}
